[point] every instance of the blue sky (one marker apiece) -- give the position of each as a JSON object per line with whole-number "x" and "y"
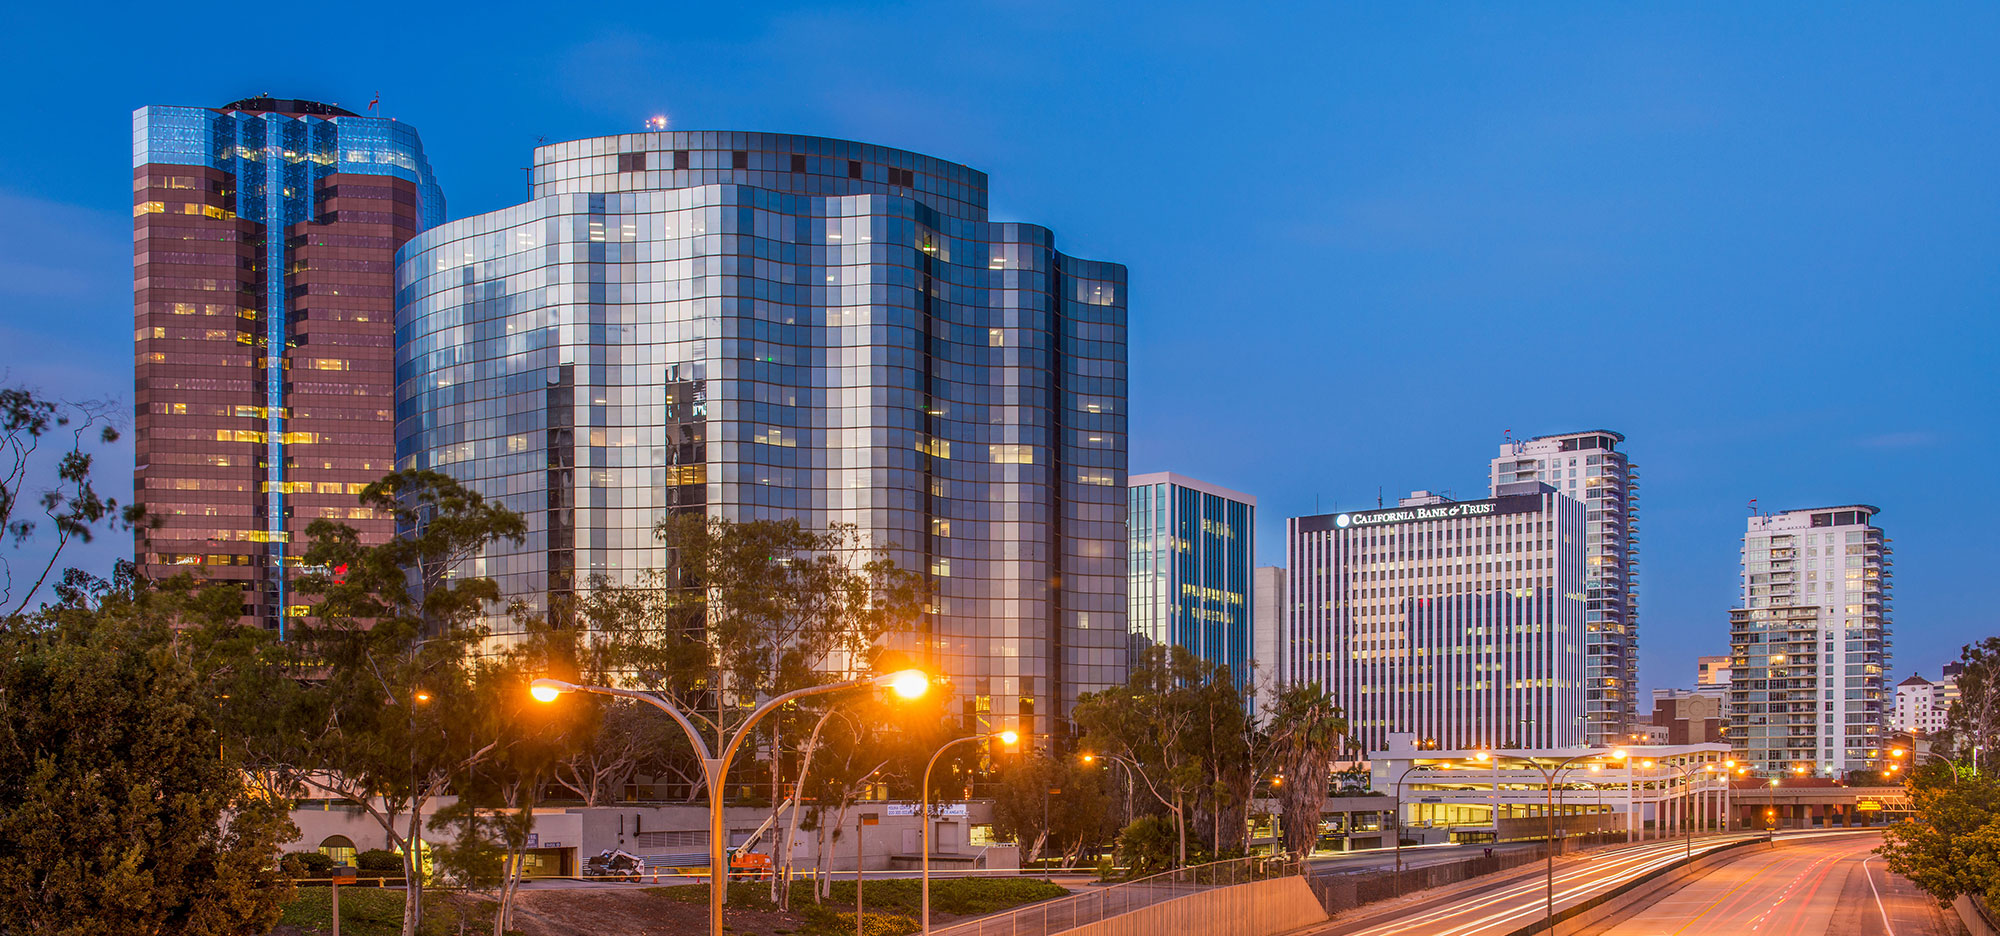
{"x": 1364, "y": 241}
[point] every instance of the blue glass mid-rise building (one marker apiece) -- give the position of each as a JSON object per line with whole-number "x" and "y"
{"x": 766, "y": 326}
{"x": 264, "y": 237}
{"x": 1191, "y": 548}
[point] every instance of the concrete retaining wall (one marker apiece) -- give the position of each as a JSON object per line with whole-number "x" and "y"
{"x": 1973, "y": 915}
{"x": 1259, "y": 908}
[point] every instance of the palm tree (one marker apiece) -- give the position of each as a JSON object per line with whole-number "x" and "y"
{"x": 1306, "y": 731}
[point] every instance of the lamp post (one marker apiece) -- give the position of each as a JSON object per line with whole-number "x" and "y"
{"x": 924, "y": 808}
{"x": 1549, "y": 812}
{"x": 1131, "y": 787}
{"x": 1687, "y": 778}
{"x": 909, "y": 684}
{"x": 1771, "y": 810}
{"x": 1396, "y": 818}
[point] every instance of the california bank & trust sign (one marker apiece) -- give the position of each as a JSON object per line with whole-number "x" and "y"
{"x": 1511, "y": 504}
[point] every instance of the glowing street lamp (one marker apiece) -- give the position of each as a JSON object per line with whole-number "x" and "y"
{"x": 909, "y": 684}
{"x": 1008, "y": 737}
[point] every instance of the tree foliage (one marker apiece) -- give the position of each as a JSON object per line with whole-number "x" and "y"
{"x": 1973, "y": 724}
{"x": 378, "y": 697}
{"x": 56, "y": 485}
{"x": 1180, "y": 727}
{"x": 1050, "y": 805}
{"x": 122, "y": 810}
{"x": 753, "y": 609}
{"x": 1951, "y": 843}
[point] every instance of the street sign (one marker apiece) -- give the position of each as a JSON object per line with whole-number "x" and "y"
{"x": 1868, "y": 806}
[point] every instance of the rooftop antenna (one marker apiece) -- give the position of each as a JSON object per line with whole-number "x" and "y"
{"x": 1378, "y": 495}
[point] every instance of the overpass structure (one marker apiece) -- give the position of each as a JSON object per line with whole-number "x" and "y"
{"x": 1810, "y": 804}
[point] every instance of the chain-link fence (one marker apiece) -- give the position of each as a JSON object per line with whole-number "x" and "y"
{"x": 1068, "y": 913}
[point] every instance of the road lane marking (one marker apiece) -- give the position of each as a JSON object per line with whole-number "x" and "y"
{"x": 1878, "y": 896}
{"x": 1718, "y": 900}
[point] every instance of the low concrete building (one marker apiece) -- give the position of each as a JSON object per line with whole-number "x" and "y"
{"x": 1477, "y": 795}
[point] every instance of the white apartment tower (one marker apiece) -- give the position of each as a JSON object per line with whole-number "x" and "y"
{"x": 1917, "y": 708}
{"x": 1809, "y": 642}
{"x": 1459, "y": 621}
{"x": 1923, "y": 706}
{"x": 1588, "y": 467}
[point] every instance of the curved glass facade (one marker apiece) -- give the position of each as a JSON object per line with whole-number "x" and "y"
{"x": 764, "y": 326}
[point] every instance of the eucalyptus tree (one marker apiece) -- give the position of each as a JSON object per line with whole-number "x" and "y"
{"x": 386, "y": 715}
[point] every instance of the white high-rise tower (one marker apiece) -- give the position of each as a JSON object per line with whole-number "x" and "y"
{"x": 1587, "y": 466}
{"x": 1809, "y": 642}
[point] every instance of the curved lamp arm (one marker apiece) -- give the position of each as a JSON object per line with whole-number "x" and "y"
{"x": 545, "y": 684}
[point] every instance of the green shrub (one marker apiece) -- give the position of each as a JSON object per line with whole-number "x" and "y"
{"x": 379, "y": 860}
{"x": 1148, "y": 845}
{"x": 310, "y": 864}
{"x": 743, "y": 895}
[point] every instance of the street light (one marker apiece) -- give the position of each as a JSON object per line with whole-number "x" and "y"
{"x": 1687, "y": 777}
{"x": 715, "y": 770}
{"x": 1549, "y": 775}
{"x": 1131, "y": 787}
{"x": 924, "y": 808}
{"x": 1771, "y": 810}
{"x": 1396, "y": 818}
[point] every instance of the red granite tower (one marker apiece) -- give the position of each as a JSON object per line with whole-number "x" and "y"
{"x": 264, "y": 241}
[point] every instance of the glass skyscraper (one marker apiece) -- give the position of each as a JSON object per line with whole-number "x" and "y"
{"x": 264, "y": 238}
{"x": 766, "y": 326}
{"x": 1192, "y": 549}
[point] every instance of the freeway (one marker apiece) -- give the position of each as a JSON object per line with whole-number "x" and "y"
{"x": 1414, "y": 856}
{"x": 1831, "y": 887}
{"x": 1502, "y": 903}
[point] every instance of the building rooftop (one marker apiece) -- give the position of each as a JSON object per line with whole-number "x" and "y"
{"x": 1618, "y": 436}
{"x": 1193, "y": 484}
{"x": 266, "y": 104}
